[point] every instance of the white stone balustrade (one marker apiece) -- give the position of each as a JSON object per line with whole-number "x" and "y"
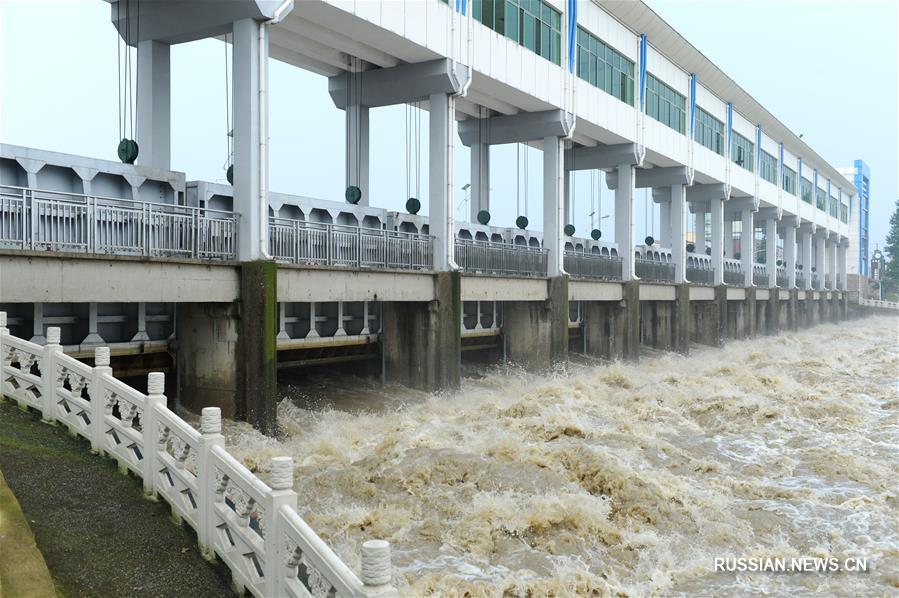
{"x": 252, "y": 526}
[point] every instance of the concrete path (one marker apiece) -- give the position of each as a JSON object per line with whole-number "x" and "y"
{"x": 97, "y": 532}
{"x": 23, "y": 571}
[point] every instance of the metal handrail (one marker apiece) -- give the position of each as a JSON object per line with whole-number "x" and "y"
{"x": 491, "y": 257}
{"x": 591, "y": 265}
{"x": 651, "y": 270}
{"x": 701, "y": 276}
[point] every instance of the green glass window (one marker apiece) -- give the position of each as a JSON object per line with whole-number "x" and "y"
{"x": 806, "y": 190}
{"x": 833, "y": 206}
{"x": 844, "y": 213}
{"x": 603, "y": 67}
{"x": 789, "y": 180}
{"x": 768, "y": 168}
{"x": 665, "y": 105}
{"x": 821, "y": 199}
{"x": 742, "y": 151}
{"x": 709, "y": 131}
{"x": 532, "y": 23}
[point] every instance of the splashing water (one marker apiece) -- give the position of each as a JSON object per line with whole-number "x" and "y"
{"x": 620, "y": 478}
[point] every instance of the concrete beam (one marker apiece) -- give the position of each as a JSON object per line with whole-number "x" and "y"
{"x": 601, "y": 157}
{"x": 397, "y": 85}
{"x": 491, "y": 288}
{"x": 587, "y": 290}
{"x": 515, "y": 128}
{"x": 654, "y": 177}
{"x": 697, "y": 193}
{"x": 301, "y": 285}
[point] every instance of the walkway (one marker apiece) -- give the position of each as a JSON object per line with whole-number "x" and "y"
{"x": 98, "y": 534}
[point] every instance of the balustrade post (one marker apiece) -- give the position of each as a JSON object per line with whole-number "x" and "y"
{"x": 146, "y": 230}
{"x": 195, "y": 249}
{"x": 49, "y": 379}
{"x": 210, "y": 436}
{"x": 150, "y": 429}
{"x": 329, "y": 240}
{"x": 358, "y": 246}
{"x": 90, "y": 225}
{"x": 281, "y": 495}
{"x": 99, "y": 372}
{"x": 377, "y": 571}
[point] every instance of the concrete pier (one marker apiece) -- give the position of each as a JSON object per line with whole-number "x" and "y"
{"x": 207, "y": 347}
{"x": 257, "y": 358}
{"x": 605, "y": 326}
{"x": 536, "y": 332}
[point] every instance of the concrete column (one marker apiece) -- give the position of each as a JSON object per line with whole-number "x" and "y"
{"x": 746, "y": 245}
{"x": 257, "y": 351}
{"x": 717, "y": 240}
{"x": 357, "y": 143}
{"x": 820, "y": 238}
{"x": 841, "y": 264}
{"x": 832, "y": 262}
{"x": 771, "y": 251}
{"x": 441, "y": 131}
{"x": 749, "y": 315}
{"x": 208, "y": 336}
{"x": 605, "y": 327}
{"x": 535, "y": 333}
{"x": 630, "y": 302}
{"x": 805, "y": 240}
{"x": 141, "y": 334}
{"x": 93, "y": 336}
{"x": 665, "y": 224}
{"x": 154, "y": 108}
{"x": 680, "y": 329}
{"x": 422, "y": 341}
{"x": 790, "y": 255}
{"x": 699, "y": 232}
{"x": 249, "y": 165}
{"x": 677, "y": 229}
{"x": 624, "y": 220}
{"x": 553, "y": 205}
{"x": 480, "y": 179}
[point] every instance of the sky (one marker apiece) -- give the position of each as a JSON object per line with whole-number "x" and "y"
{"x": 827, "y": 70}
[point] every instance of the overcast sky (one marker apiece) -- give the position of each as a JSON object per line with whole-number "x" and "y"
{"x": 828, "y": 70}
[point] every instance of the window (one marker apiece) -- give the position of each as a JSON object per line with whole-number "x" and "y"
{"x": 768, "y": 167}
{"x": 665, "y": 105}
{"x": 821, "y": 199}
{"x": 741, "y": 151}
{"x": 806, "y": 190}
{"x": 709, "y": 131}
{"x": 603, "y": 67}
{"x": 844, "y": 213}
{"x": 834, "y": 206}
{"x": 789, "y": 180}
{"x": 532, "y": 23}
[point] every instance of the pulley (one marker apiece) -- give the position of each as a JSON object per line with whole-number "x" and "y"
{"x": 413, "y": 206}
{"x": 521, "y": 222}
{"x": 484, "y": 217}
{"x": 708, "y": 251}
{"x": 737, "y": 255}
{"x": 353, "y": 194}
{"x": 128, "y": 151}
{"x": 691, "y": 247}
{"x": 229, "y": 174}
{"x": 568, "y": 230}
{"x": 649, "y": 240}
{"x": 596, "y": 234}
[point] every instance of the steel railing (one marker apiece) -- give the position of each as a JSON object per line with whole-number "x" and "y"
{"x": 590, "y": 265}
{"x": 760, "y": 279}
{"x": 782, "y": 281}
{"x": 701, "y": 276}
{"x": 828, "y": 282}
{"x": 319, "y": 243}
{"x": 814, "y": 281}
{"x": 42, "y": 220}
{"x": 490, "y": 257}
{"x": 800, "y": 279}
{"x": 734, "y": 278}
{"x": 653, "y": 271}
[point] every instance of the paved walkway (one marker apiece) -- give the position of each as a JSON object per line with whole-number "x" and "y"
{"x": 97, "y": 532}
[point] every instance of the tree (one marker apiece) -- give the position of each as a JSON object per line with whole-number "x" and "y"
{"x": 890, "y": 276}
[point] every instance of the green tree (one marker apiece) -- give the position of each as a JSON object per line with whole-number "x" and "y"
{"x": 890, "y": 276}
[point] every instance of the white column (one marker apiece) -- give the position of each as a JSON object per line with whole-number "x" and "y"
{"x": 699, "y": 232}
{"x": 357, "y": 142}
{"x": 248, "y": 118}
{"x": 154, "y": 107}
{"x": 746, "y": 245}
{"x": 771, "y": 251}
{"x": 805, "y": 238}
{"x": 141, "y": 334}
{"x": 717, "y": 241}
{"x": 37, "y": 329}
{"x": 624, "y": 220}
{"x": 665, "y": 224}
{"x": 841, "y": 265}
{"x": 93, "y": 337}
{"x": 832, "y": 262}
{"x": 677, "y": 226}
{"x": 553, "y": 204}
{"x": 480, "y": 179}
{"x": 790, "y": 255}
{"x": 442, "y": 123}
{"x": 819, "y": 258}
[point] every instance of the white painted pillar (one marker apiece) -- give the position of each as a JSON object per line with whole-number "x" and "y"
{"x": 841, "y": 265}
{"x": 699, "y": 232}
{"x": 771, "y": 251}
{"x": 357, "y": 142}
{"x": 141, "y": 334}
{"x": 665, "y": 224}
{"x": 282, "y": 322}
{"x": 790, "y": 255}
{"x": 805, "y": 237}
{"x": 820, "y": 238}
{"x": 677, "y": 226}
{"x": 746, "y": 245}
{"x": 553, "y": 204}
{"x": 624, "y": 219}
{"x": 37, "y": 329}
{"x": 248, "y": 118}
{"x": 441, "y": 131}
{"x": 480, "y": 179}
{"x": 832, "y": 262}
{"x": 154, "y": 106}
{"x": 93, "y": 336}
{"x": 717, "y": 241}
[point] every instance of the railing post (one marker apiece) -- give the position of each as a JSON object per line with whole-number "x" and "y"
{"x": 358, "y": 246}
{"x": 196, "y": 233}
{"x": 100, "y": 370}
{"x": 31, "y": 218}
{"x": 282, "y": 494}
{"x": 377, "y": 572}
{"x": 147, "y": 244}
{"x": 210, "y": 436}
{"x": 329, "y": 240}
{"x": 89, "y": 225}
{"x": 48, "y": 374}
{"x": 150, "y": 428}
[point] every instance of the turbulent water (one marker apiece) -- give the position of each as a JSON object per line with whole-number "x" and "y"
{"x": 617, "y": 479}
